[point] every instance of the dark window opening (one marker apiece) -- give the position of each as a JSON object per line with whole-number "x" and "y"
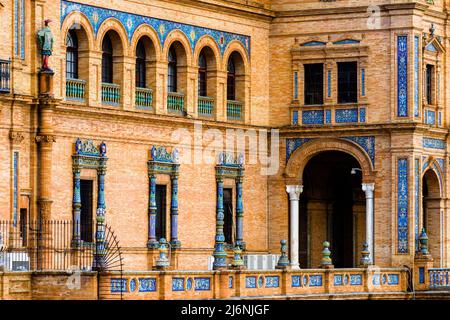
{"x": 141, "y": 65}
{"x": 172, "y": 71}
{"x": 429, "y": 83}
{"x": 23, "y": 225}
{"x": 231, "y": 80}
{"x": 72, "y": 55}
{"x": 160, "y": 225}
{"x": 202, "y": 76}
{"x": 228, "y": 215}
{"x": 107, "y": 60}
{"x": 86, "y": 222}
{"x": 347, "y": 82}
{"x": 313, "y": 83}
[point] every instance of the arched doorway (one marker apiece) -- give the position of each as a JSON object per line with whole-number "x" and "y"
{"x": 332, "y": 208}
{"x": 432, "y": 219}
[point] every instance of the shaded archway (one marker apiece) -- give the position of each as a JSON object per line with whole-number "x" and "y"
{"x": 332, "y": 208}
{"x": 432, "y": 211}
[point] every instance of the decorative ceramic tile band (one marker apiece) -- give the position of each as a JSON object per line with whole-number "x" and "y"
{"x": 131, "y": 22}
{"x": 402, "y": 76}
{"x": 402, "y": 205}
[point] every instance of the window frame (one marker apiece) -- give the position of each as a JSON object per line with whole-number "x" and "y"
{"x": 231, "y": 80}
{"x": 72, "y": 57}
{"x": 202, "y": 75}
{"x": 347, "y": 89}
{"x": 316, "y": 85}
{"x": 141, "y": 65}
{"x": 172, "y": 70}
{"x": 107, "y": 60}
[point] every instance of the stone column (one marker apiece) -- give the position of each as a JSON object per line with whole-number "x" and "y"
{"x": 239, "y": 213}
{"x": 294, "y": 192}
{"x": 76, "y": 208}
{"x": 175, "y": 243}
{"x": 368, "y": 188}
{"x": 152, "y": 242}
{"x": 219, "y": 252}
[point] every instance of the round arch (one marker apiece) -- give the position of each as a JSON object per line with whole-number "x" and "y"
{"x": 300, "y": 158}
{"x": 177, "y": 36}
{"x": 77, "y": 18}
{"x": 112, "y": 24}
{"x": 236, "y": 46}
{"x": 208, "y": 41}
{"x": 146, "y": 30}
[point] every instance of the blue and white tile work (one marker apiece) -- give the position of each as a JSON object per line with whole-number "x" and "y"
{"x": 328, "y": 116}
{"x": 363, "y": 82}
{"x": 393, "y": 279}
{"x": 402, "y": 76}
{"x": 133, "y": 285}
{"x": 16, "y": 27}
{"x": 15, "y": 186}
{"x": 402, "y": 205}
{"x": 202, "y": 284}
{"x": 189, "y": 284}
{"x": 147, "y": 284}
{"x": 376, "y": 280}
{"x": 118, "y": 285}
{"x": 430, "y": 117}
{"x": 295, "y": 85}
{"x": 362, "y": 115}
{"x": 272, "y": 281}
{"x": 177, "y": 284}
{"x": 329, "y": 84}
{"x": 346, "y": 115}
{"x": 417, "y": 200}
{"x": 433, "y": 143}
{"x": 295, "y": 118}
{"x": 250, "y": 282}
{"x": 312, "y": 117}
{"x": 131, "y": 22}
{"x": 230, "y": 282}
{"x": 365, "y": 142}
{"x": 315, "y": 281}
{"x": 338, "y": 280}
{"x": 355, "y": 280}
{"x": 416, "y": 76}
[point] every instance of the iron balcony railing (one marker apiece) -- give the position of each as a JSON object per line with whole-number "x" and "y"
{"x": 439, "y": 278}
{"x": 5, "y": 76}
{"x": 75, "y": 89}
{"x": 234, "y": 110}
{"x": 111, "y": 94}
{"x": 205, "y": 106}
{"x": 175, "y": 102}
{"x": 144, "y": 98}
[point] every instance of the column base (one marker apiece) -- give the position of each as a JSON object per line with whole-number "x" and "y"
{"x": 293, "y": 267}
{"x": 175, "y": 244}
{"x": 153, "y": 244}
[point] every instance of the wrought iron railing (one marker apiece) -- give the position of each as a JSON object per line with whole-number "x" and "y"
{"x": 234, "y": 110}
{"x": 175, "y": 102}
{"x": 439, "y": 277}
{"x": 75, "y": 89}
{"x": 42, "y": 245}
{"x": 205, "y": 106}
{"x": 5, "y": 76}
{"x": 144, "y": 98}
{"x": 110, "y": 94}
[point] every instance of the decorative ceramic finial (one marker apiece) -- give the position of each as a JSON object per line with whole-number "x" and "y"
{"x": 283, "y": 262}
{"x": 432, "y": 29}
{"x": 423, "y": 240}
{"x": 326, "y": 255}
{"x": 365, "y": 255}
{"x": 238, "y": 262}
{"x": 163, "y": 260}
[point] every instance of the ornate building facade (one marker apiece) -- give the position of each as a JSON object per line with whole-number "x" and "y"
{"x": 124, "y": 138}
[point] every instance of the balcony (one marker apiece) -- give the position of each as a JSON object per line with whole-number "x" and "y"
{"x": 75, "y": 90}
{"x": 144, "y": 98}
{"x": 175, "y": 102}
{"x": 329, "y": 114}
{"x": 205, "y": 106}
{"x": 234, "y": 110}
{"x": 5, "y": 76}
{"x": 110, "y": 94}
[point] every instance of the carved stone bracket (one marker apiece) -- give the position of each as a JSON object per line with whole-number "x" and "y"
{"x": 16, "y": 137}
{"x": 45, "y": 138}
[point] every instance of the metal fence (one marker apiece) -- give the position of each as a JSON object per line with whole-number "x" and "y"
{"x": 43, "y": 245}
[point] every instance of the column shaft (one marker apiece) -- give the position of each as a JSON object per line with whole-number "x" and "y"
{"x": 152, "y": 242}
{"x": 239, "y": 213}
{"x": 174, "y": 214}
{"x": 368, "y": 188}
{"x": 219, "y": 252}
{"x": 294, "y": 197}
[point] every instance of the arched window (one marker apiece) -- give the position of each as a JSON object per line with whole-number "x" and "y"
{"x": 107, "y": 60}
{"x": 231, "y": 80}
{"x": 172, "y": 71}
{"x": 202, "y": 76}
{"x": 140, "y": 65}
{"x": 72, "y": 55}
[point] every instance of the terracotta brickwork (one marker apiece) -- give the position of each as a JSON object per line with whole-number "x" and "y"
{"x": 270, "y": 42}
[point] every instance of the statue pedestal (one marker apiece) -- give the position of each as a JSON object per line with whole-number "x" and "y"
{"x": 46, "y": 82}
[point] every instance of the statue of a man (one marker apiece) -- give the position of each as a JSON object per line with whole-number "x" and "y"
{"x": 45, "y": 40}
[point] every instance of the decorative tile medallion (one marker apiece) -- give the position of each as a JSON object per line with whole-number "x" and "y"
{"x": 346, "y": 115}
{"x": 250, "y": 282}
{"x": 230, "y": 282}
{"x": 131, "y": 22}
{"x": 177, "y": 284}
{"x": 118, "y": 285}
{"x": 133, "y": 285}
{"x": 272, "y": 282}
{"x": 315, "y": 281}
{"x": 338, "y": 280}
{"x": 260, "y": 281}
{"x": 355, "y": 280}
{"x": 393, "y": 279}
{"x": 296, "y": 281}
{"x": 202, "y": 284}
{"x": 312, "y": 117}
{"x": 189, "y": 284}
{"x": 376, "y": 280}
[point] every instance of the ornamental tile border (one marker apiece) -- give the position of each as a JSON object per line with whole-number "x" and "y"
{"x": 402, "y": 205}
{"x": 432, "y": 143}
{"x": 272, "y": 281}
{"x": 202, "y": 284}
{"x": 177, "y": 284}
{"x": 131, "y": 22}
{"x": 402, "y": 76}
{"x": 147, "y": 284}
{"x": 118, "y": 285}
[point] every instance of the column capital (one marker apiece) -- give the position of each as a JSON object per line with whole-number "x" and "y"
{"x": 294, "y": 191}
{"x": 368, "y": 188}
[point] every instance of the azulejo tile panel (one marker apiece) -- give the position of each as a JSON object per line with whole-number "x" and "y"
{"x": 355, "y": 280}
{"x": 131, "y": 22}
{"x": 313, "y": 117}
{"x": 393, "y": 279}
{"x": 402, "y": 205}
{"x": 402, "y": 76}
{"x": 346, "y": 115}
{"x": 177, "y": 284}
{"x": 202, "y": 284}
{"x": 272, "y": 282}
{"x": 147, "y": 284}
{"x": 295, "y": 281}
{"x": 294, "y": 144}
{"x": 250, "y": 282}
{"x": 430, "y": 117}
{"x": 315, "y": 281}
{"x": 416, "y": 200}
{"x": 416, "y": 76}
{"x": 118, "y": 285}
{"x": 433, "y": 143}
{"x": 338, "y": 280}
